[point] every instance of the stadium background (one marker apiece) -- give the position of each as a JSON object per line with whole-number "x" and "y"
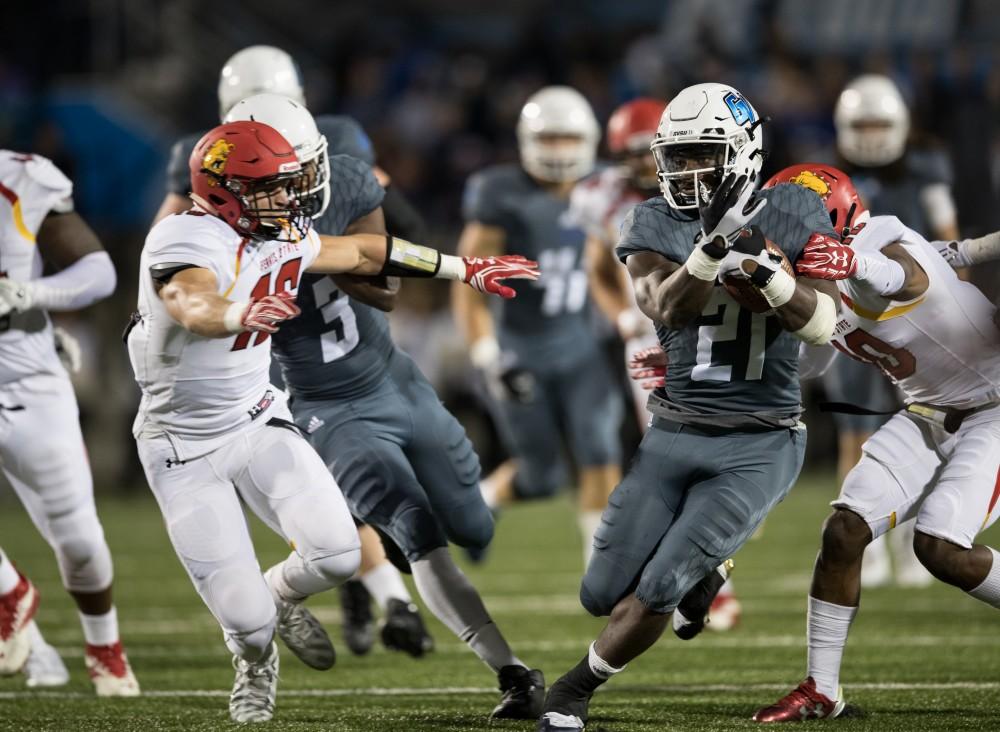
{"x": 104, "y": 87}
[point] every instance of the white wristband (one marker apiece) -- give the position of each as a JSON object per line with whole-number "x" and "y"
{"x": 452, "y": 268}
{"x": 779, "y": 290}
{"x": 701, "y": 266}
{"x": 232, "y": 319}
{"x": 484, "y": 352}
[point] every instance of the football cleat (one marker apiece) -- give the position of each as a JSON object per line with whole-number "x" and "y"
{"x": 109, "y": 669}
{"x": 523, "y": 693}
{"x": 556, "y": 722}
{"x": 305, "y": 636}
{"x": 725, "y": 612}
{"x": 358, "y": 625}
{"x": 44, "y": 668}
{"x": 692, "y": 613}
{"x": 802, "y": 703}
{"x": 255, "y": 687}
{"x": 17, "y": 608}
{"x": 404, "y": 629}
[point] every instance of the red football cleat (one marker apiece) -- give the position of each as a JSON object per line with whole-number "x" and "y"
{"x": 802, "y": 703}
{"x": 109, "y": 669}
{"x": 17, "y": 608}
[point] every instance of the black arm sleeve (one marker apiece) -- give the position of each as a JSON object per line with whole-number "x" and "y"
{"x": 401, "y": 218}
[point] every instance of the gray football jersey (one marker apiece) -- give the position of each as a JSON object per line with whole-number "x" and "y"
{"x": 344, "y": 136}
{"x": 337, "y": 347}
{"x": 897, "y": 190}
{"x": 549, "y": 321}
{"x": 730, "y": 360}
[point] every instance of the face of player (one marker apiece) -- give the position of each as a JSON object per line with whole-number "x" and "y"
{"x": 274, "y": 203}
{"x": 691, "y": 166}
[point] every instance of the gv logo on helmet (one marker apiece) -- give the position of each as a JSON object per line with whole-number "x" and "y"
{"x": 216, "y": 158}
{"x": 740, "y": 108}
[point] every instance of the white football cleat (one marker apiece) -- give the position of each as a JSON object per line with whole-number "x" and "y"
{"x": 255, "y": 688}
{"x": 110, "y": 671}
{"x": 17, "y": 608}
{"x": 44, "y": 668}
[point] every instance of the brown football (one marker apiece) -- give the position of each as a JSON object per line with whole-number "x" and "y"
{"x": 746, "y": 294}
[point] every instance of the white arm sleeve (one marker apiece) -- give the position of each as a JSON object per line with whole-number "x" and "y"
{"x": 880, "y": 273}
{"x": 87, "y": 280}
{"x": 967, "y": 252}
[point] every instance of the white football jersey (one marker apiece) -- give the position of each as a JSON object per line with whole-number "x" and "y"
{"x": 941, "y": 348}
{"x": 201, "y": 392}
{"x": 600, "y": 203}
{"x": 30, "y": 187}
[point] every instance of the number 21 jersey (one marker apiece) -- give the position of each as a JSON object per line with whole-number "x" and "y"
{"x": 199, "y": 392}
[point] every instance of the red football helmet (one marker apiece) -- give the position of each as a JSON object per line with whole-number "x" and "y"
{"x": 632, "y": 126}
{"x": 834, "y": 186}
{"x": 247, "y": 172}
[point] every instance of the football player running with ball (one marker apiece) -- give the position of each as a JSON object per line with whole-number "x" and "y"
{"x": 726, "y": 443}
{"x": 402, "y": 460}
{"x": 938, "y": 460}
{"x": 215, "y": 282}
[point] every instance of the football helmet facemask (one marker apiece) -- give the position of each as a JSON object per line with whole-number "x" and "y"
{"x": 557, "y": 135}
{"x": 872, "y": 121}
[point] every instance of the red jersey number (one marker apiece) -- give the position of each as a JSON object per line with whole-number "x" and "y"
{"x": 898, "y": 363}
{"x": 286, "y": 279}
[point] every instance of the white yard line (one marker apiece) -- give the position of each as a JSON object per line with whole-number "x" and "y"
{"x": 459, "y": 690}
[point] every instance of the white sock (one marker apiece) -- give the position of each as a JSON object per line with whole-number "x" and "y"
{"x": 100, "y": 630}
{"x": 8, "y": 575}
{"x": 826, "y": 633}
{"x": 988, "y": 590}
{"x": 385, "y": 583}
{"x": 488, "y": 489}
{"x": 588, "y": 521}
{"x": 727, "y": 588}
{"x": 37, "y": 641}
{"x": 601, "y": 668}
{"x": 454, "y": 601}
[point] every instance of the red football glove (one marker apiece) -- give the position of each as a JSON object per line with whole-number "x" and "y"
{"x": 264, "y": 314}
{"x": 825, "y": 258}
{"x": 485, "y": 273}
{"x": 649, "y": 367}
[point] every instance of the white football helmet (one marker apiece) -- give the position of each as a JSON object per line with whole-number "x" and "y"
{"x": 558, "y": 111}
{"x": 296, "y": 125}
{"x": 706, "y": 132}
{"x": 258, "y": 69}
{"x": 872, "y": 121}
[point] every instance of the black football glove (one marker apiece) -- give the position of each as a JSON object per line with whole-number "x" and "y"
{"x": 732, "y": 206}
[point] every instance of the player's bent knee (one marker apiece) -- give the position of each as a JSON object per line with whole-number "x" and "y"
{"x": 335, "y": 566}
{"x": 83, "y": 554}
{"x": 940, "y": 557}
{"x": 471, "y": 526}
{"x": 845, "y": 535}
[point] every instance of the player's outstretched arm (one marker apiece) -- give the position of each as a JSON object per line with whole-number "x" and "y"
{"x": 609, "y": 287}
{"x": 191, "y": 297}
{"x": 890, "y": 272}
{"x": 378, "y": 291}
{"x": 968, "y": 252}
{"x": 84, "y": 272}
{"x": 369, "y": 254}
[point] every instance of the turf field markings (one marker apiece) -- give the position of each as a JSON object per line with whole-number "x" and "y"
{"x": 459, "y": 690}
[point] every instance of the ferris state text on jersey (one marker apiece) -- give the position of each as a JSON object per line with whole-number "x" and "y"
{"x": 730, "y": 361}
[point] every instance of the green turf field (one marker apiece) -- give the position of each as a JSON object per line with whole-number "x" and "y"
{"x": 917, "y": 660}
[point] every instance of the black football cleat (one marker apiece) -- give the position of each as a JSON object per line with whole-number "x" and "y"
{"x": 523, "y": 693}
{"x": 359, "y": 625}
{"x": 691, "y": 614}
{"x": 565, "y": 708}
{"x": 404, "y": 630}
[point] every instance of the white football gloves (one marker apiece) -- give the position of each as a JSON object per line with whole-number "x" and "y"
{"x": 14, "y": 296}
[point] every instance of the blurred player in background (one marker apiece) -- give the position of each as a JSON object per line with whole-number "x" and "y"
{"x": 215, "y": 282}
{"x": 41, "y": 447}
{"x": 540, "y": 352}
{"x": 892, "y": 178}
{"x": 937, "y": 461}
{"x": 402, "y": 460}
{"x": 725, "y": 444}
{"x": 600, "y": 204}
{"x": 258, "y": 69}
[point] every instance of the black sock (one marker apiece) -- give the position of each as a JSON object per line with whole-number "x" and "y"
{"x": 572, "y": 692}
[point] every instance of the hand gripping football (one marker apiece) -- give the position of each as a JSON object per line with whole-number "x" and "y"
{"x": 744, "y": 293}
